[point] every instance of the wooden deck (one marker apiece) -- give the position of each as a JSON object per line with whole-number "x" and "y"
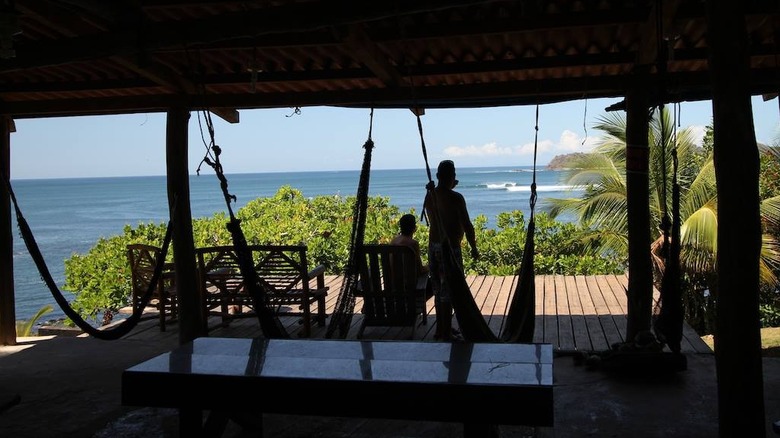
{"x": 573, "y": 313}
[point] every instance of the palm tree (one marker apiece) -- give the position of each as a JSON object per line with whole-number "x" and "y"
{"x": 602, "y": 207}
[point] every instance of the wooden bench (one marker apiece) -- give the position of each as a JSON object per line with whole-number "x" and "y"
{"x": 283, "y": 271}
{"x": 407, "y": 380}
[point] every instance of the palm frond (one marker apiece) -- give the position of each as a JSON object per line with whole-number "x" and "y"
{"x": 24, "y": 328}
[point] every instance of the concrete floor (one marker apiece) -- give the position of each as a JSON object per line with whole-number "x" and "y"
{"x": 71, "y": 387}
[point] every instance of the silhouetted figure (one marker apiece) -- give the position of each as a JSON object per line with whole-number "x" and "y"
{"x": 408, "y": 225}
{"x": 449, "y": 217}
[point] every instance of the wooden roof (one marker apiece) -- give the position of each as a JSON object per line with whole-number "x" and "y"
{"x": 75, "y": 57}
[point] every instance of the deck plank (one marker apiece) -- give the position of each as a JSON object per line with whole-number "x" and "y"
{"x": 607, "y": 322}
{"x": 598, "y": 340}
{"x": 582, "y": 312}
{"x": 550, "y": 311}
{"x": 578, "y": 324}
{"x": 505, "y": 295}
{"x": 565, "y": 327}
{"x": 539, "y": 310}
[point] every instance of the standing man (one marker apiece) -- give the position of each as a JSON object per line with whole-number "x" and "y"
{"x": 448, "y": 218}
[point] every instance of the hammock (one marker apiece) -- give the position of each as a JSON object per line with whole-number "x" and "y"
{"x": 115, "y": 332}
{"x": 520, "y": 319}
{"x": 342, "y": 315}
{"x": 668, "y": 324}
{"x": 269, "y": 322}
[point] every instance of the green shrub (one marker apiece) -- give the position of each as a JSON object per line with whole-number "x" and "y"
{"x": 100, "y": 279}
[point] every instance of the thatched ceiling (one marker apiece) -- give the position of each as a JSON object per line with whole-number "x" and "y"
{"x": 70, "y": 57}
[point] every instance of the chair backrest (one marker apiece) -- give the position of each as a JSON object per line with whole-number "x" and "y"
{"x": 143, "y": 260}
{"x": 280, "y": 268}
{"x": 388, "y": 282}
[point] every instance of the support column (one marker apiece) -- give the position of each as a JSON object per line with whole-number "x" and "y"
{"x": 640, "y": 270}
{"x": 192, "y": 322}
{"x": 7, "y": 298}
{"x": 737, "y": 324}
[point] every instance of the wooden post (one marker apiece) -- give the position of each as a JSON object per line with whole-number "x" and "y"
{"x": 7, "y": 300}
{"x": 640, "y": 270}
{"x": 192, "y": 323}
{"x": 737, "y": 324}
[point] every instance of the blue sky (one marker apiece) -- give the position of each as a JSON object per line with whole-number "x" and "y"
{"x": 324, "y": 138}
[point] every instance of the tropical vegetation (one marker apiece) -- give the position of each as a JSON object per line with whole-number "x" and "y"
{"x": 25, "y": 327}
{"x": 674, "y": 157}
{"x": 100, "y": 279}
{"x": 595, "y": 244}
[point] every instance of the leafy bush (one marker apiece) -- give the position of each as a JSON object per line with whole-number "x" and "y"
{"x": 100, "y": 279}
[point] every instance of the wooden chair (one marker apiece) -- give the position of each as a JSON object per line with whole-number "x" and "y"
{"x": 393, "y": 292}
{"x": 291, "y": 288}
{"x": 143, "y": 260}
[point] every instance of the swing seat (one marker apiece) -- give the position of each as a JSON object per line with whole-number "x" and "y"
{"x": 393, "y": 292}
{"x": 291, "y": 288}
{"x": 143, "y": 259}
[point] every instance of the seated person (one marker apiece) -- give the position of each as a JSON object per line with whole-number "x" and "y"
{"x": 408, "y": 225}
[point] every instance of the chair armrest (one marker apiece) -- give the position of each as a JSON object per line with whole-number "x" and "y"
{"x": 319, "y": 273}
{"x": 422, "y": 282}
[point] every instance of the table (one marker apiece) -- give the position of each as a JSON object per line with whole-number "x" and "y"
{"x": 485, "y": 383}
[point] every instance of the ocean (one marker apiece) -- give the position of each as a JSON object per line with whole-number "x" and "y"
{"x": 68, "y": 216}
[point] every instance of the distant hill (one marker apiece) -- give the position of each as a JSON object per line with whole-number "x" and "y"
{"x": 562, "y": 161}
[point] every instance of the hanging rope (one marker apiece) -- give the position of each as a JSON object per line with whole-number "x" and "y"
{"x": 115, "y": 332}
{"x": 521, "y": 316}
{"x": 341, "y": 319}
{"x": 669, "y": 322}
{"x": 472, "y": 324}
{"x": 269, "y": 322}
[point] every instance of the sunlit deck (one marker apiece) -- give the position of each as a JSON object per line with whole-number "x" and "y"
{"x": 573, "y": 313}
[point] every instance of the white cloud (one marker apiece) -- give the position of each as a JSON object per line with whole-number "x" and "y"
{"x": 528, "y": 148}
{"x": 486, "y": 150}
{"x": 568, "y": 142}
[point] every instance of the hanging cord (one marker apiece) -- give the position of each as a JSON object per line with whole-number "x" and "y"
{"x": 584, "y": 123}
{"x": 115, "y": 332}
{"x": 472, "y": 324}
{"x": 532, "y": 198}
{"x": 666, "y": 220}
{"x": 521, "y": 316}
{"x": 668, "y": 323}
{"x": 341, "y": 319}
{"x": 269, "y": 322}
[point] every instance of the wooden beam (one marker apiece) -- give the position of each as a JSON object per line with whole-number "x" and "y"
{"x": 163, "y": 76}
{"x": 439, "y": 96}
{"x": 271, "y": 27}
{"x": 7, "y": 296}
{"x": 648, "y": 42}
{"x": 640, "y": 273}
{"x": 106, "y": 16}
{"x": 192, "y": 319}
{"x": 738, "y": 355}
{"x": 360, "y": 46}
